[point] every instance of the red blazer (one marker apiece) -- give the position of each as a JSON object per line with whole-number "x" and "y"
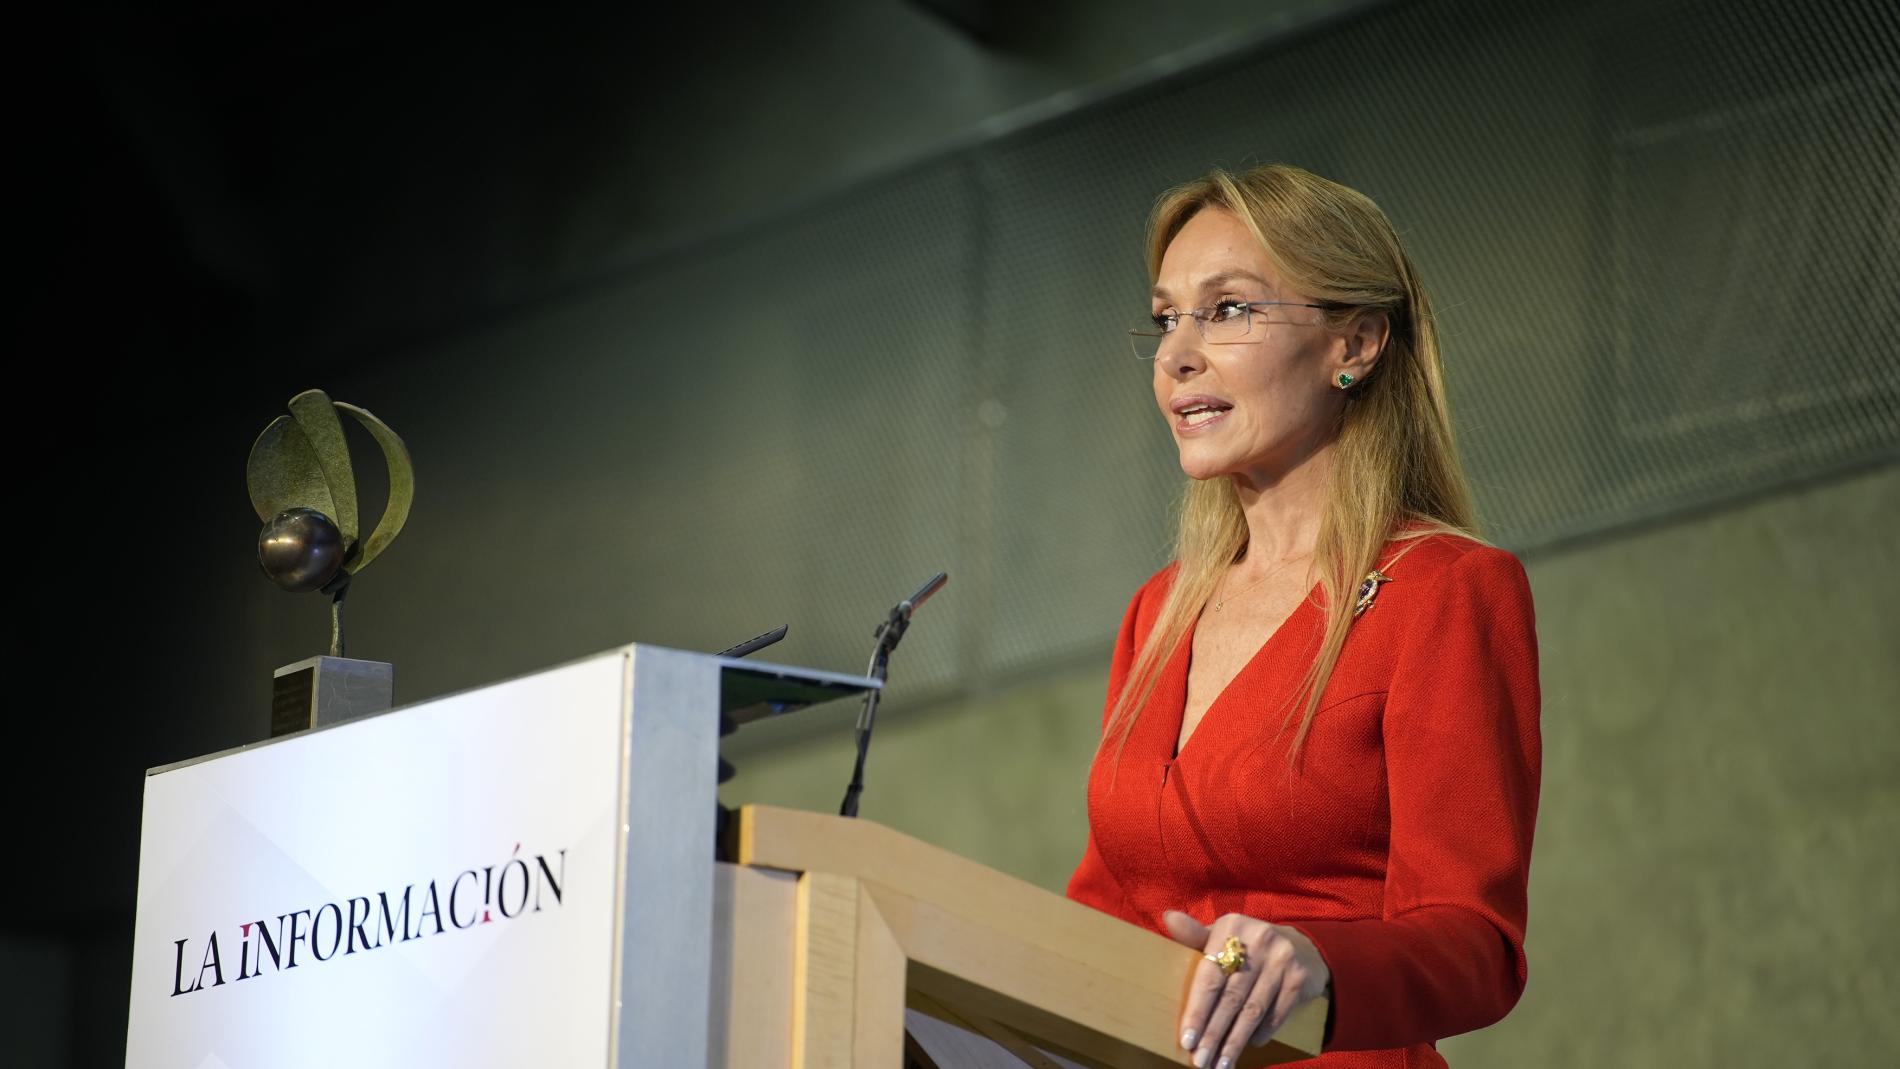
{"x": 1400, "y": 845}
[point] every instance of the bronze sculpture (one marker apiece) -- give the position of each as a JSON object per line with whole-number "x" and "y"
{"x": 304, "y": 490}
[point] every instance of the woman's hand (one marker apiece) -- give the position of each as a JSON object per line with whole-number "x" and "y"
{"x": 1226, "y": 1013}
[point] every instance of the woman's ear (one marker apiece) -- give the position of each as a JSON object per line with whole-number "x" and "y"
{"x": 1365, "y": 342}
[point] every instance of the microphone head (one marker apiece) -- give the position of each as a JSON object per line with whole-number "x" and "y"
{"x": 924, "y": 592}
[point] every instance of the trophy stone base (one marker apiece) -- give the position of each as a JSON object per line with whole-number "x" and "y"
{"x": 329, "y": 690}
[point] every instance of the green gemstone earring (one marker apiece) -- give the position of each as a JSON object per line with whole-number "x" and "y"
{"x": 1345, "y": 380}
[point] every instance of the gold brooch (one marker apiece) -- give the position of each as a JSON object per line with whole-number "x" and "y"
{"x": 1369, "y": 589}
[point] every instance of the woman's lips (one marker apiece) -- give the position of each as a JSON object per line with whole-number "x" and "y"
{"x": 1201, "y": 421}
{"x": 1196, "y": 415}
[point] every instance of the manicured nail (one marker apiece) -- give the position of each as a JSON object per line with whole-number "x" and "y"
{"x": 1202, "y": 1056}
{"x": 1225, "y": 1063}
{"x": 1187, "y": 1039}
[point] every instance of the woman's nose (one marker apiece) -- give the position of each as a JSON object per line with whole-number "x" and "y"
{"x": 1180, "y": 354}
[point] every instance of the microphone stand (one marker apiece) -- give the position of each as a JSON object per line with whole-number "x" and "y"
{"x": 888, "y": 635}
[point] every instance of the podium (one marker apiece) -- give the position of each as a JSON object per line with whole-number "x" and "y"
{"x": 525, "y": 874}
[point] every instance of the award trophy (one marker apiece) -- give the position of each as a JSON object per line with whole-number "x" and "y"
{"x": 304, "y": 490}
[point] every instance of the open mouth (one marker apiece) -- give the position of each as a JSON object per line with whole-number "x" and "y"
{"x": 1201, "y": 413}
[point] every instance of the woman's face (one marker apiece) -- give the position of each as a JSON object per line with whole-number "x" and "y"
{"x": 1255, "y": 408}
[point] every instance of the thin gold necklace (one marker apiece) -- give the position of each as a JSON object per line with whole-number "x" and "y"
{"x": 1222, "y": 600}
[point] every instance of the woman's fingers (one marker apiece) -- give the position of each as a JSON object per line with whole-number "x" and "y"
{"x": 1305, "y": 977}
{"x": 1256, "y": 1022}
{"x": 1204, "y": 992}
{"x": 1280, "y": 1009}
{"x": 1251, "y": 1027}
{"x": 1225, "y": 1014}
{"x": 1214, "y": 998}
{"x": 1185, "y": 929}
{"x": 1221, "y": 1036}
{"x": 1207, "y": 978}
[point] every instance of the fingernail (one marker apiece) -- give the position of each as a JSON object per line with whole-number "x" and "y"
{"x": 1225, "y": 1063}
{"x": 1201, "y": 1056}
{"x": 1187, "y": 1039}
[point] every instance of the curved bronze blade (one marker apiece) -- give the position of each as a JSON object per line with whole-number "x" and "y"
{"x": 402, "y": 487}
{"x": 283, "y": 472}
{"x": 316, "y": 415}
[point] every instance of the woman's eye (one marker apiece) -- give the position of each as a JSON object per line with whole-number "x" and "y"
{"x": 1164, "y": 321}
{"x": 1229, "y": 309}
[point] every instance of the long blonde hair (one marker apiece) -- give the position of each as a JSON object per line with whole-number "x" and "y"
{"x": 1395, "y": 471}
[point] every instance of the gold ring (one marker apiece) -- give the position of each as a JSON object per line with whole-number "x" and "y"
{"x": 1232, "y": 958}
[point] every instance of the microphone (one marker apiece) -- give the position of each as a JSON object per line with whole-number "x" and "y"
{"x": 888, "y": 635}
{"x": 909, "y": 605}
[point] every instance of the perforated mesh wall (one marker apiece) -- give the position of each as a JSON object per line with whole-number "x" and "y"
{"x": 1664, "y": 240}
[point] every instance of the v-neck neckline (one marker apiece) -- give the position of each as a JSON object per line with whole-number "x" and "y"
{"x": 1185, "y": 655}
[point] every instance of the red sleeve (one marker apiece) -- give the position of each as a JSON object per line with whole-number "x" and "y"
{"x": 1462, "y": 756}
{"x": 1092, "y": 884}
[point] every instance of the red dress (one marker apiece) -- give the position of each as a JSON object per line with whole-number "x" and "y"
{"x": 1401, "y": 844}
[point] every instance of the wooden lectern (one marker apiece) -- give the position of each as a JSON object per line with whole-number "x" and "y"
{"x": 525, "y": 874}
{"x": 880, "y": 924}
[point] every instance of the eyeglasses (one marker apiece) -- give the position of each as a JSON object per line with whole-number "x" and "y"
{"x": 1226, "y": 323}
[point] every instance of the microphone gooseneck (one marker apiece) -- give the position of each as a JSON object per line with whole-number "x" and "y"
{"x": 888, "y": 635}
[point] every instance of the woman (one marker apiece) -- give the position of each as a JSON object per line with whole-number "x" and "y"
{"x": 1320, "y": 757}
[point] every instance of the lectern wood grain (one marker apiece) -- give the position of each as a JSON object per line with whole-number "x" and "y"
{"x": 991, "y": 947}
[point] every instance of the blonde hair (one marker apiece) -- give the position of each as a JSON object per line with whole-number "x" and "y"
{"x": 1395, "y": 471}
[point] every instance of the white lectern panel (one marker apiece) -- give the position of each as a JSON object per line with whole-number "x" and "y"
{"x": 433, "y": 886}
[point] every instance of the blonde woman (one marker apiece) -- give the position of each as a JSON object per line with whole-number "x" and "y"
{"x": 1320, "y": 756}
